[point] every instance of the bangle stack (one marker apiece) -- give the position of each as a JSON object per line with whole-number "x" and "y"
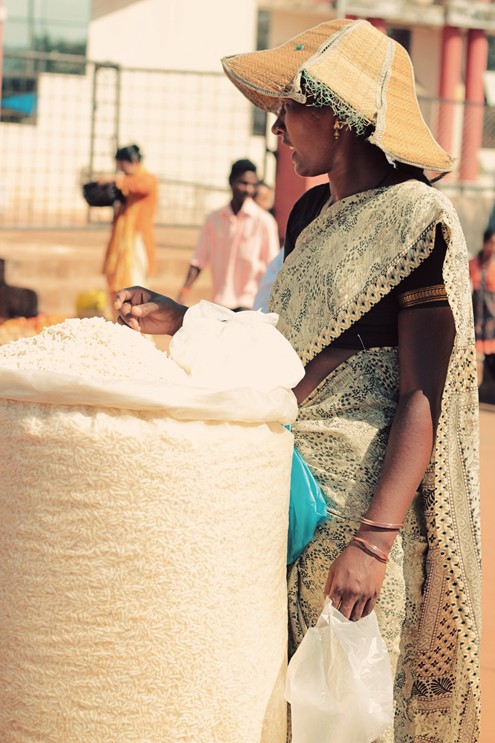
{"x": 370, "y": 549}
{"x": 380, "y": 524}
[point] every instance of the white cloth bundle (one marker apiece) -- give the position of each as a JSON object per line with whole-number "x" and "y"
{"x": 142, "y": 557}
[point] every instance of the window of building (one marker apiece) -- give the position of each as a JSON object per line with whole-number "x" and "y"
{"x": 33, "y": 30}
{"x": 259, "y": 117}
{"x": 488, "y": 141}
{"x": 401, "y": 36}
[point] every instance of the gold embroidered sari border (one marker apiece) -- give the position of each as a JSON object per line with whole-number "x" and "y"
{"x": 428, "y": 294}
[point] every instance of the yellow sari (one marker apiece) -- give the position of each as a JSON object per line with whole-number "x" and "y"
{"x": 130, "y": 256}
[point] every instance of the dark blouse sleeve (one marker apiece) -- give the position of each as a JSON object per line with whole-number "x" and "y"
{"x": 290, "y": 237}
{"x": 306, "y": 208}
{"x": 424, "y": 287}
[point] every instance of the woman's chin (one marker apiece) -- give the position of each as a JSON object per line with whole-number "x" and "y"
{"x": 305, "y": 170}
{"x": 299, "y": 169}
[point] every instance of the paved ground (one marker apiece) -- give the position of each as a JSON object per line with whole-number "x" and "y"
{"x": 59, "y": 264}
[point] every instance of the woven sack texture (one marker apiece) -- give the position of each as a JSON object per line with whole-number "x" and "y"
{"x": 142, "y": 575}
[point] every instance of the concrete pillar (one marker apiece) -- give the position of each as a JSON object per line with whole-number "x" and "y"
{"x": 378, "y": 23}
{"x": 474, "y": 111}
{"x": 289, "y": 186}
{"x": 450, "y": 77}
{"x": 3, "y": 16}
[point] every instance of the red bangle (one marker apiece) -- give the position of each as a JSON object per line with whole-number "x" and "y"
{"x": 185, "y": 290}
{"x": 380, "y": 524}
{"x": 371, "y": 549}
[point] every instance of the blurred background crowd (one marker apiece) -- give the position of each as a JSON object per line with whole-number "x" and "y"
{"x": 78, "y": 81}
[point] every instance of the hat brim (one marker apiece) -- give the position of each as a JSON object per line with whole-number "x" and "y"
{"x": 266, "y": 77}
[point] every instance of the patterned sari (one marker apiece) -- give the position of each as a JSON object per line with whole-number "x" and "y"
{"x": 429, "y": 609}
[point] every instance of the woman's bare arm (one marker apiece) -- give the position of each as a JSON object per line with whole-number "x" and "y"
{"x": 426, "y": 338}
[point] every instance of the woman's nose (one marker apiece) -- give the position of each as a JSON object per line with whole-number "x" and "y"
{"x": 278, "y": 126}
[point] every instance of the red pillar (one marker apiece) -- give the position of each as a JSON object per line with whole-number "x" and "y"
{"x": 450, "y": 77}
{"x": 378, "y": 23}
{"x": 2, "y": 20}
{"x": 474, "y": 111}
{"x": 289, "y": 186}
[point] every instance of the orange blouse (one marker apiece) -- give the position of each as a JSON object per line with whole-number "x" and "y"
{"x": 476, "y": 271}
{"x": 134, "y": 217}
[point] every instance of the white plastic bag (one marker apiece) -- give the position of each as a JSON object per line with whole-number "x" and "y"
{"x": 339, "y": 682}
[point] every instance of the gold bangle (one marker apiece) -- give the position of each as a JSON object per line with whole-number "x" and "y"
{"x": 380, "y": 524}
{"x": 371, "y": 549}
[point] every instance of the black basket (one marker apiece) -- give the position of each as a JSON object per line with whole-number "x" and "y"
{"x": 102, "y": 194}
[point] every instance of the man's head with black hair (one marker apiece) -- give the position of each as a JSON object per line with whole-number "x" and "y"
{"x": 240, "y": 167}
{"x": 243, "y": 181}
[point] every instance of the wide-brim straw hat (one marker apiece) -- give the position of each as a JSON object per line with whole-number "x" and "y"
{"x": 362, "y": 74}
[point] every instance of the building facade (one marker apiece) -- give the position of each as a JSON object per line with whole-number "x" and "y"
{"x": 448, "y": 43}
{"x": 152, "y": 75}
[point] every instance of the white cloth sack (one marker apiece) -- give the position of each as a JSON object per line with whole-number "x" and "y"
{"x": 142, "y": 548}
{"x": 233, "y": 366}
{"x": 339, "y": 682}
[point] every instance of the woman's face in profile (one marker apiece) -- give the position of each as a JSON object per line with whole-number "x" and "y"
{"x": 309, "y": 133}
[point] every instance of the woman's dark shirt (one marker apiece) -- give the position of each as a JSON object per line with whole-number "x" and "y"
{"x": 378, "y": 327}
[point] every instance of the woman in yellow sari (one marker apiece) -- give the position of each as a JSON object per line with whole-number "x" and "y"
{"x": 131, "y": 252}
{"x": 374, "y": 295}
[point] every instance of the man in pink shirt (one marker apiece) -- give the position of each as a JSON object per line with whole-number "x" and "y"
{"x": 237, "y": 241}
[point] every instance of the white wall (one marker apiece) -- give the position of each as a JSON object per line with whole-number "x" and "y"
{"x": 173, "y": 123}
{"x": 190, "y": 127}
{"x": 41, "y": 164}
{"x": 426, "y": 47}
{"x": 172, "y": 34}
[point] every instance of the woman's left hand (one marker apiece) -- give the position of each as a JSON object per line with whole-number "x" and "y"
{"x": 354, "y": 582}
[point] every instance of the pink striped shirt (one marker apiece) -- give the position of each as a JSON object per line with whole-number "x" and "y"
{"x": 238, "y": 248}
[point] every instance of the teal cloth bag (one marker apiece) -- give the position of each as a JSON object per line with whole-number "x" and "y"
{"x": 307, "y": 507}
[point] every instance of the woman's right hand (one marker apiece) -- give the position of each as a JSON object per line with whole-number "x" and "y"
{"x": 147, "y": 311}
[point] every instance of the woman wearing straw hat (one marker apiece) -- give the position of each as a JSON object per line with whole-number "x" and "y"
{"x": 374, "y": 295}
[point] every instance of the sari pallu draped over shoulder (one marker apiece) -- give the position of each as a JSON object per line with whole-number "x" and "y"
{"x": 344, "y": 262}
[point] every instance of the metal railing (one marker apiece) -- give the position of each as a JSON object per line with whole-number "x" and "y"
{"x": 63, "y": 117}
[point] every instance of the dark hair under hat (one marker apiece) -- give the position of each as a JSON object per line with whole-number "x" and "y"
{"x": 129, "y": 154}
{"x": 239, "y": 167}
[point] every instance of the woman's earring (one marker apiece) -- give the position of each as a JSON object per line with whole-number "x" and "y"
{"x": 337, "y": 126}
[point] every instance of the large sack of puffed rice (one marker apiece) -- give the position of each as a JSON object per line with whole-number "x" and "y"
{"x": 143, "y": 527}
